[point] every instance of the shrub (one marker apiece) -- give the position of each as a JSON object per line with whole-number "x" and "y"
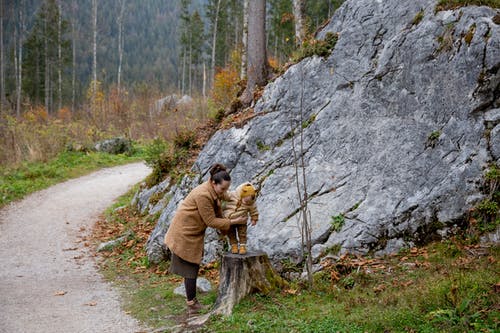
{"x": 185, "y": 138}
{"x": 418, "y": 18}
{"x": 433, "y": 138}
{"x": 337, "y": 222}
{"x": 311, "y": 47}
{"x": 454, "y": 4}
{"x": 224, "y": 90}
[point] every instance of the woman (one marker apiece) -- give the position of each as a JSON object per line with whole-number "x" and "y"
{"x": 185, "y": 236}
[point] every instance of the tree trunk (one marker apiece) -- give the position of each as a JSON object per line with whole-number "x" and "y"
{"x": 190, "y": 67}
{"x": 20, "y": 61}
{"x": 214, "y": 42}
{"x": 183, "y": 71}
{"x": 73, "y": 73}
{"x": 300, "y": 21}
{"x": 120, "y": 44}
{"x": 47, "y": 68}
{"x": 204, "y": 89}
{"x": 2, "y": 65}
{"x": 16, "y": 66}
{"x": 59, "y": 59}
{"x": 256, "y": 49}
{"x": 244, "y": 41}
{"x": 94, "y": 44}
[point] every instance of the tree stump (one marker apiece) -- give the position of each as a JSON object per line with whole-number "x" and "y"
{"x": 241, "y": 275}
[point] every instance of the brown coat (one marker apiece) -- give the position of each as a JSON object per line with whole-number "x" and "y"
{"x": 199, "y": 210}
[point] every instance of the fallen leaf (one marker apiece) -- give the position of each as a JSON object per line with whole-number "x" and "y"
{"x": 71, "y": 249}
{"x": 291, "y": 291}
{"x": 60, "y": 293}
{"x": 379, "y": 288}
{"x": 91, "y": 304}
{"x": 406, "y": 284}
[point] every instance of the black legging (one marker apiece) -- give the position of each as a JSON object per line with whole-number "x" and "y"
{"x": 190, "y": 285}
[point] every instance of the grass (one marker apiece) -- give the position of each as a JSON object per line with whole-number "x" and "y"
{"x": 418, "y": 17}
{"x": 15, "y": 183}
{"x": 446, "y": 286}
{"x": 453, "y": 4}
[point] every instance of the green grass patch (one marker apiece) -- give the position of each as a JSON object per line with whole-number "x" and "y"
{"x": 453, "y": 294}
{"x": 418, "y": 17}
{"x": 15, "y": 183}
{"x": 453, "y": 4}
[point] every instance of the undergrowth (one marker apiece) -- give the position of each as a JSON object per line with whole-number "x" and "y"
{"x": 311, "y": 47}
{"x": 453, "y": 4}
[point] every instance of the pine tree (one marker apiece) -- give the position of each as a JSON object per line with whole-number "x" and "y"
{"x": 257, "y": 68}
{"x": 41, "y": 61}
{"x": 184, "y": 41}
{"x": 196, "y": 33}
{"x": 281, "y": 29}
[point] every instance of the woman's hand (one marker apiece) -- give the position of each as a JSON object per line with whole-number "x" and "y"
{"x": 239, "y": 220}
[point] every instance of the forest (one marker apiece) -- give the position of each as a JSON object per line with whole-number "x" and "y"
{"x": 74, "y": 72}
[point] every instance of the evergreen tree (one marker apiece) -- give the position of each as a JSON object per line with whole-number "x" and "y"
{"x": 319, "y": 11}
{"x": 196, "y": 33}
{"x": 41, "y": 60}
{"x": 281, "y": 29}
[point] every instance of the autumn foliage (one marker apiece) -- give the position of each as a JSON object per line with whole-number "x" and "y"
{"x": 225, "y": 88}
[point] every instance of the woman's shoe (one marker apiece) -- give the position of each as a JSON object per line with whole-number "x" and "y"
{"x": 234, "y": 248}
{"x": 193, "y": 306}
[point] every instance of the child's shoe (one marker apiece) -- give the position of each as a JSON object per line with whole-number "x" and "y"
{"x": 243, "y": 249}
{"x": 234, "y": 248}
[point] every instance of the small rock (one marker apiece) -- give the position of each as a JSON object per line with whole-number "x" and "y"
{"x": 492, "y": 237}
{"x": 109, "y": 245}
{"x": 114, "y": 146}
{"x": 202, "y": 285}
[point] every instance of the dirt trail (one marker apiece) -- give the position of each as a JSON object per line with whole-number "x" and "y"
{"x": 41, "y": 254}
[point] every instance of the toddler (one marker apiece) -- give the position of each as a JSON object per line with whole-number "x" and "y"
{"x": 241, "y": 203}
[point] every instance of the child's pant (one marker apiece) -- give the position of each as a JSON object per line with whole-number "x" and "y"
{"x": 240, "y": 231}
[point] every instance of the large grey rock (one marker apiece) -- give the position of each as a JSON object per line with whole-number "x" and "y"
{"x": 114, "y": 146}
{"x": 394, "y": 133}
{"x": 142, "y": 199}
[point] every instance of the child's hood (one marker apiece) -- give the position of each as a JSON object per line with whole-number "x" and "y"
{"x": 245, "y": 189}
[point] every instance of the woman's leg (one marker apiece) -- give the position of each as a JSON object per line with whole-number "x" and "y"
{"x": 190, "y": 285}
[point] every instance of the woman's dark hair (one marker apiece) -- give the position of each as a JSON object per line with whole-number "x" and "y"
{"x": 218, "y": 173}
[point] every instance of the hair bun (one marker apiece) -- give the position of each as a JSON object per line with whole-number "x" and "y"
{"x": 216, "y": 168}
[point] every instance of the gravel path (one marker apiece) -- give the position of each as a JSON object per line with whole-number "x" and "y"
{"x": 48, "y": 280}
